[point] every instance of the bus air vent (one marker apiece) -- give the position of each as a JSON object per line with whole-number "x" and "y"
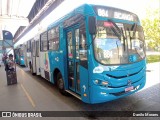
{"x": 119, "y": 77}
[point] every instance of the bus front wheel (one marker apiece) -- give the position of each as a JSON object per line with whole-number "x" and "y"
{"x": 60, "y": 84}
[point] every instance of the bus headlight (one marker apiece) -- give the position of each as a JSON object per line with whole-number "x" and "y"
{"x": 100, "y": 82}
{"x": 96, "y": 81}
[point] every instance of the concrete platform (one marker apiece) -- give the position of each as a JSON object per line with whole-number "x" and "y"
{"x": 33, "y": 93}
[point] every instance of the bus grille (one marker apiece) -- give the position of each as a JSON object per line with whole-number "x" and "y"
{"x": 119, "y": 77}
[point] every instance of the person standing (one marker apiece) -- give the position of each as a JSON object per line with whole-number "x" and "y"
{"x": 11, "y": 70}
{"x": 10, "y": 63}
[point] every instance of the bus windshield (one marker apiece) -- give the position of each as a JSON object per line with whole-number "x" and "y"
{"x": 118, "y": 43}
{"x": 21, "y": 52}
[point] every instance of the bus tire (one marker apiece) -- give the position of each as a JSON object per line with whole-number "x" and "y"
{"x": 60, "y": 84}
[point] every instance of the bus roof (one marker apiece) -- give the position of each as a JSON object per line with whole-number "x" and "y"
{"x": 98, "y": 10}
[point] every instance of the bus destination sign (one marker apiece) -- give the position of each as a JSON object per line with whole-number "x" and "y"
{"x": 110, "y": 12}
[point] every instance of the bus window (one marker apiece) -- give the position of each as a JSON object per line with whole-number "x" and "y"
{"x": 29, "y": 46}
{"x": 44, "y": 42}
{"x": 37, "y": 48}
{"x": 70, "y": 46}
{"x": 53, "y": 38}
{"x": 83, "y": 47}
{"x": 77, "y": 43}
{"x": 33, "y": 49}
{"x": 21, "y": 52}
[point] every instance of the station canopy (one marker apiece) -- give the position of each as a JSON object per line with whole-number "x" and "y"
{"x": 18, "y": 16}
{"x": 13, "y": 14}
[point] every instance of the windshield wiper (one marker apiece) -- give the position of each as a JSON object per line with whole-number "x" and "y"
{"x": 116, "y": 30}
{"x": 134, "y": 27}
{"x": 117, "y": 48}
{"x": 124, "y": 38}
{"x": 120, "y": 32}
{"x": 118, "y": 35}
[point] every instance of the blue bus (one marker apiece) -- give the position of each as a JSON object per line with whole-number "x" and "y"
{"x": 96, "y": 53}
{"x": 19, "y": 54}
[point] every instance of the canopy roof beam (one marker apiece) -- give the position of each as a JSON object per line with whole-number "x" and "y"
{"x": 20, "y": 21}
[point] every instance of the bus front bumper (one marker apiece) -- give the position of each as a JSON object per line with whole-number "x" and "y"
{"x": 99, "y": 94}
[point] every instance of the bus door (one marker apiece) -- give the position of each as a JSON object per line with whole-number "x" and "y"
{"x": 73, "y": 59}
{"x": 37, "y": 58}
{"x": 25, "y": 54}
{"x": 33, "y": 57}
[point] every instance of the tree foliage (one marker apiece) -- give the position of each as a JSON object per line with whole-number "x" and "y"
{"x": 151, "y": 26}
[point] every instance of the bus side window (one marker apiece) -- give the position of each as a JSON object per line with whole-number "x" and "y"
{"x": 33, "y": 49}
{"x": 70, "y": 46}
{"x": 37, "y": 48}
{"x": 44, "y": 42}
{"x": 29, "y": 46}
{"x": 21, "y": 51}
{"x": 53, "y": 38}
{"x": 83, "y": 47}
{"x": 77, "y": 43}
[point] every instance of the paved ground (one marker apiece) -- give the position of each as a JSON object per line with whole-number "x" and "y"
{"x": 32, "y": 93}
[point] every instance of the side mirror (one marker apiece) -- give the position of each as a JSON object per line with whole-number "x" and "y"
{"x": 92, "y": 25}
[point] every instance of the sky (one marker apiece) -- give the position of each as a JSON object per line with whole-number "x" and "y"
{"x": 136, "y": 6}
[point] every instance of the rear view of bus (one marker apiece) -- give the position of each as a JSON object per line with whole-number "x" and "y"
{"x": 19, "y": 55}
{"x": 117, "y": 55}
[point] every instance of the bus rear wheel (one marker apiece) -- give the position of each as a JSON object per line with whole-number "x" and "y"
{"x": 60, "y": 84}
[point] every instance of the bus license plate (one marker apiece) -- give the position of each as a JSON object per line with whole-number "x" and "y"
{"x": 129, "y": 88}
